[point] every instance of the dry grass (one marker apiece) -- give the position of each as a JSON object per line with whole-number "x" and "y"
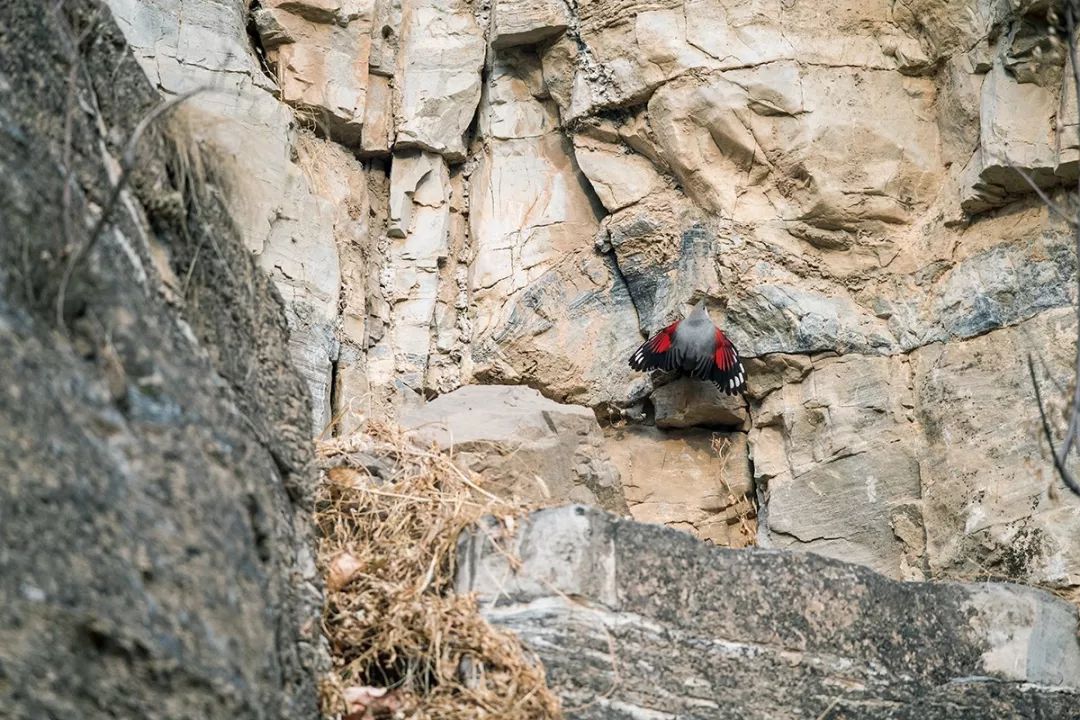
{"x": 745, "y": 506}
{"x": 402, "y": 643}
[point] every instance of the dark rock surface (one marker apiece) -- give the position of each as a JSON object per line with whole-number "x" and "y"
{"x": 641, "y": 621}
{"x": 154, "y": 446}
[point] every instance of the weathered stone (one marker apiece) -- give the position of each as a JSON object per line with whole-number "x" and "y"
{"x": 438, "y": 76}
{"x": 686, "y": 402}
{"x": 322, "y": 68}
{"x": 525, "y": 445}
{"x": 527, "y": 22}
{"x": 1010, "y": 139}
{"x": 693, "y": 480}
{"x": 821, "y": 173}
{"x": 618, "y": 177}
{"x": 419, "y": 240}
{"x": 272, "y": 32}
{"x": 629, "y": 51}
{"x": 989, "y": 501}
{"x": 157, "y": 558}
{"x": 378, "y": 117}
{"x": 385, "y": 38}
{"x": 268, "y": 176}
{"x": 636, "y": 620}
{"x": 541, "y": 292}
{"x": 835, "y": 458}
{"x": 513, "y": 104}
{"x": 531, "y": 209}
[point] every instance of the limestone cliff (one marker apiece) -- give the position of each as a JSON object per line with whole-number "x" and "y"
{"x": 518, "y": 191}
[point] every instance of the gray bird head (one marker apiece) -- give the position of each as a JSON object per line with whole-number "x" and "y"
{"x": 699, "y": 312}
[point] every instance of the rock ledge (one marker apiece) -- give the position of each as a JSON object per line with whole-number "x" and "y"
{"x": 640, "y": 621}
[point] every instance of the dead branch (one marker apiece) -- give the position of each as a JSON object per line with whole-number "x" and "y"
{"x": 1060, "y": 453}
{"x": 127, "y": 164}
{"x": 1059, "y": 460}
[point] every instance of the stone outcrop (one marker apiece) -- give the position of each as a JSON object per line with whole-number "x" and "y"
{"x": 525, "y": 446}
{"x": 320, "y": 51}
{"x": 637, "y": 621}
{"x": 157, "y": 556}
{"x": 438, "y": 78}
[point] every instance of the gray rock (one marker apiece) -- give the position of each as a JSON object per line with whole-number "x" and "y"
{"x": 527, "y": 22}
{"x": 687, "y": 403}
{"x": 154, "y": 549}
{"x": 525, "y": 445}
{"x": 640, "y": 621}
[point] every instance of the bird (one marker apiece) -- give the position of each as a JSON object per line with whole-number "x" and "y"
{"x": 695, "y": 347}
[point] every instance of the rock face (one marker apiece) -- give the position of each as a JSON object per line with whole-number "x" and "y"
{"x": 525, "y": 445}
{"x": 543, "y": 184}
{"x": 637, "y": 621}
{"x": 156, "y": 556}
{"x": 694, "y": 480}
{"x": 451, "y": 193}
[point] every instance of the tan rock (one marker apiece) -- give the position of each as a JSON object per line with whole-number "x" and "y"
{"x": 530, "y": 208}
{"x": 385, "y": 37}
{"x": 283, "y": 192}
{"x": 1014, "y": 132}
{"x": 514, "y": 103}
{"x": 378, "y": 117}
{"x": 272, "y": 32}
{"x": 629, "y": 52}
{"x": 417, "y": 178}
{"x": 544, "y": 302}
{"x": 438, "y": 76}
{"x": 618, "y": 176}
{"x": 559, "y": 66}
{"x": 320, "y": 50}
{"x": 992, "y": 503}
{"x": 947, "y": 28}
{"x": 419, "y": 232}
{"x": 523, "y": 445}
{"x": 819, "y": 172}
{"x": 837, "y": 455}
{"x": 704, "y": 135}
{"x": 527, "y": 22}
{"x": 694, "y": 479}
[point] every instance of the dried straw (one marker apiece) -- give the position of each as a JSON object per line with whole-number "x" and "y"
{"x": 402, "y": 643}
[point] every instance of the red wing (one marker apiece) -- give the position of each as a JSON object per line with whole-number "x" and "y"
{"x": 655, "y": 353}
{"x": 727, "y": 372}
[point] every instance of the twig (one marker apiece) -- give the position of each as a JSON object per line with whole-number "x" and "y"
{"x": 825, "y": 713}
{"x": 1074, "y": 416}
{"x": 1053, "y": 206}
{"x": 1061, "y": 454}
{"x": 1059, "y": 464}
{"x": 69, "y": 122}
{"x": 127, "y": 164}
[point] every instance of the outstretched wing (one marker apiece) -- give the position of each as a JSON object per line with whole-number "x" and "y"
{"x": 727, "y": 371}
{"x": 657, "y": 352}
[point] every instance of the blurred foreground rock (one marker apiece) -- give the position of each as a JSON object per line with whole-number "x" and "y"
{"x": 639, "y": 621}
{"x": 155, "y": 549}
